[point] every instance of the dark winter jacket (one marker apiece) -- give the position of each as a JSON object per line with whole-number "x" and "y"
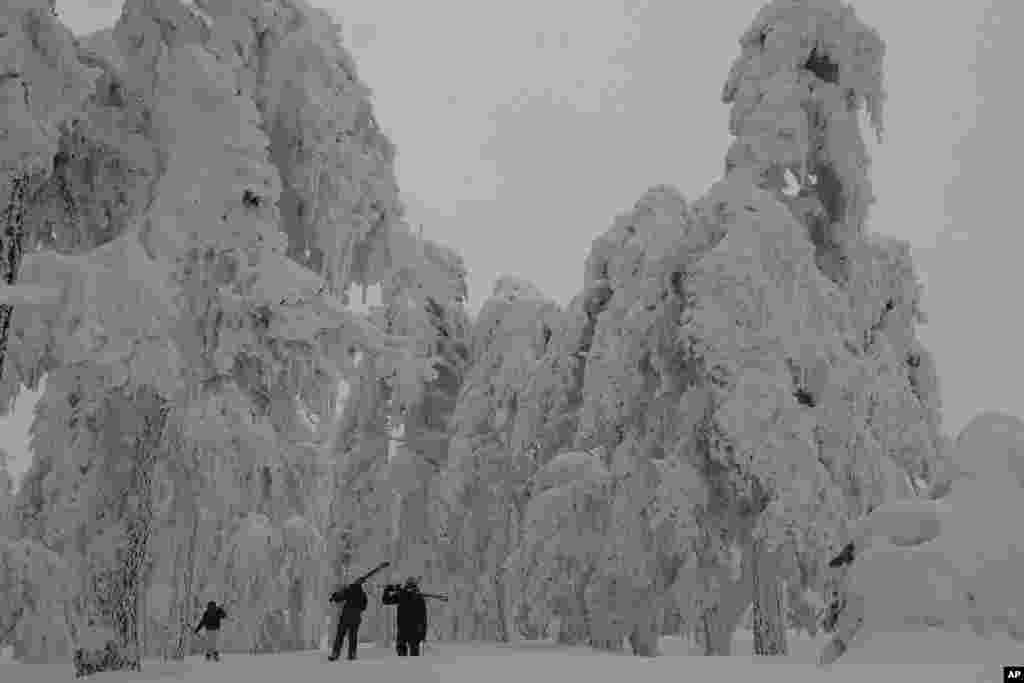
{"x": 211, "y": 618}
{"x": 353, "y": 600}
{"x": 845, "y": 557}
{"x": 412, "y": 611}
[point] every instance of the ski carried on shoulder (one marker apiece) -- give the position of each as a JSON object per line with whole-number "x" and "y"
{"x": 367, "y": 575}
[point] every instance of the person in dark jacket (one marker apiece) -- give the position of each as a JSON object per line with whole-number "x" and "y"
{"x": 352, "y": 599}
{"x": 210, "y": 620}
{"x": 412, "y": 616}
{"x": 844, "y": 558}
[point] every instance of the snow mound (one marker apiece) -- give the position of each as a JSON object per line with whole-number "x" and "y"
{"x": 905, "y": 522}
{"x": 952, "y": 562}
{"x": 990, "y": 445}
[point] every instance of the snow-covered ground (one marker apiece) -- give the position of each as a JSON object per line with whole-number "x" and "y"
{"x": 932, "y": 657}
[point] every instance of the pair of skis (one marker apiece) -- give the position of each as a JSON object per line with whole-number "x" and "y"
{"x": 367, "y": 575}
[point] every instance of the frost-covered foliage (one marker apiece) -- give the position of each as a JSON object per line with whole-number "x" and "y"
{"x": 804, "y": 325}
{"x": 805, "y": 72}
{"x": 270, "y": 574}
{"x": 393, "y": 436}
{"x": 42, "y": 82}
{"x": 34, "y": 587}
{"x": 970, "y": 571}
{"x": 744, "y": 368}
{"x": 339, "y": 201}
{"x": 564, "y": 534}
{"x": 88, "y": 496}
{"x": 482, "y": 486}
{"x": 212, "y": 194}
{"x": 738, "y": 378}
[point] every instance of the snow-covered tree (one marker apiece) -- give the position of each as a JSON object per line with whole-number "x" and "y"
{"x": 245, "y": 188}
{"x": 753, "y": 370}
{"x": 564, "y": 533}
{"x": 392, "y": 437}
{"x": 35, "y": 586}
{"x": 482, "y": 488}
{"x": 440, "y": 327}
{"x": 42, "y": 83}
{"x": 738, "y": 377}
{"x": 804, "y": 323}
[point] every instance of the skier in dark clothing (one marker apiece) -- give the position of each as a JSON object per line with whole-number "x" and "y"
{"x": 352, "y": 599}
{"x": 210, "y": 620}
{"x": 412, "y": 616}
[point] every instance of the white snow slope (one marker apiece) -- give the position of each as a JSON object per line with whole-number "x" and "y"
{"x": 935, "y": 657}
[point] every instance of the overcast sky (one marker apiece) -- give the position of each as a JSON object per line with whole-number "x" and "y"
{"x": 523, "y": 128}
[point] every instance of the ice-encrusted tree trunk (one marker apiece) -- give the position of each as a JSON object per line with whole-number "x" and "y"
{"x": 100, "y": 514}
{"x": 184, "y": 586}
{"x": 12, "y": 246}
{"x": 137, "y": 515}
{"x": 769, "y": 613}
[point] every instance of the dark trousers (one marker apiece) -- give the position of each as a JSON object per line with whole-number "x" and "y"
{"x": 348, "y": 630}
{"x": 408, "y": 644}
{"x": 210, "y": 639}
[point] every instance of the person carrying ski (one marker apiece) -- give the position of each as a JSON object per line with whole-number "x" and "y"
{"x": 210, "y": 620}
{"x": 352, "y": 599}
{"x": 412, "y": 616}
